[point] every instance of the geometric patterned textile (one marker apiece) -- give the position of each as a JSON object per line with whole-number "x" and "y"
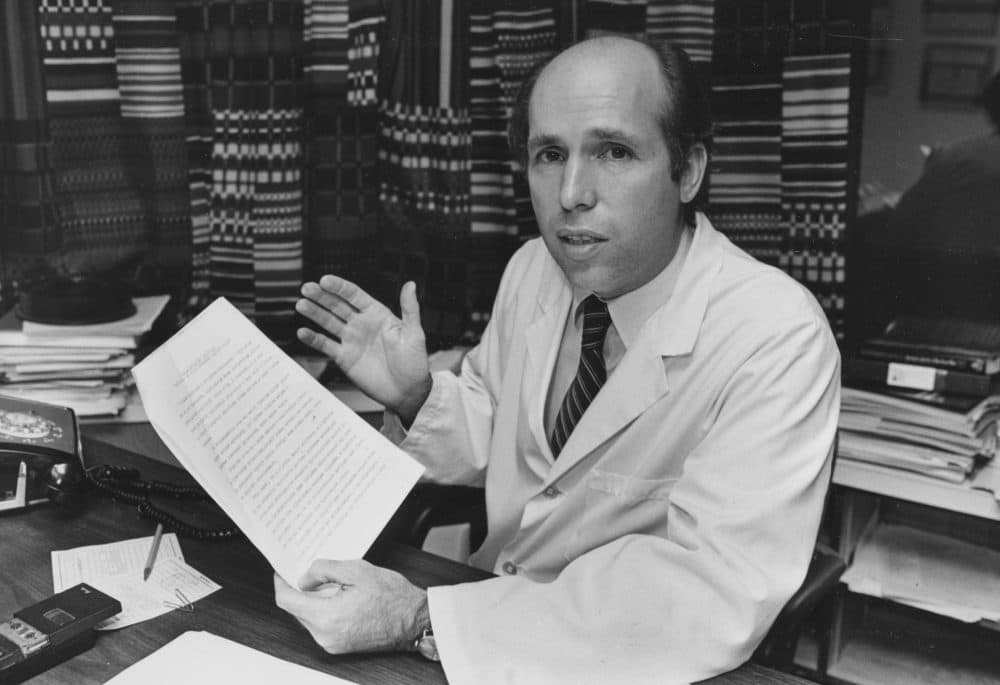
{"x": 242, "y": 75}
{"x": 340, "y": 62}
{"x": 745, "y": 188}
{"x": 506, "y": 41}
{"x": 687, "y": 24}
{"x": 112, "y": 78}
{"x": 423, "y": 146}
{"x": 591, "y": 372}
{"x": 814, "y": 157}
{"x": 504, "y": 45}
{"x": 28, "y": 225}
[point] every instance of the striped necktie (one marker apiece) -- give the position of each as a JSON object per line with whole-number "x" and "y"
{"x": 590, "y": 374}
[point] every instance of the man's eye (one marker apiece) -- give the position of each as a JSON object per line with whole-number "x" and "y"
{"x": 618, "y": 153}
{"x": 548, "y": 156}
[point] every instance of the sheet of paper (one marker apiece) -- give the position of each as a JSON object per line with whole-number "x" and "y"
{"x": 202, "y": 657}
{"x": 299, "y": 472}
{"x": 933, "y": 572}
{"x": 116, "y": 569}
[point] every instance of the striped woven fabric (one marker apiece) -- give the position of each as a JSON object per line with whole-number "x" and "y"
{"x": 745, "y": 190}
{"x": 424, "y": 138}
{"x": 814, "y": 175}
{"x": 147, "y": 61}
{"x": 366, "y": 23}
{"x": 685, "y": 23}
{"x": 504, "y": 47}
{"x": 242, "y": 69}
{"x": 28, "y": 225}
{"x": 112, "y": 85}
{"x": 340, "y": 53}
{"x": 97, "y": 210}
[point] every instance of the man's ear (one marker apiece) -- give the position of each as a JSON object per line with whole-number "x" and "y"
{"x": 694, "y": 172}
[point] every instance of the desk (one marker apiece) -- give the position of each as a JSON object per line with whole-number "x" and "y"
{"x": 243, "y": 610}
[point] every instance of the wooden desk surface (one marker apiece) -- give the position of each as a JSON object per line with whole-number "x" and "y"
{"x": 243, "y": 610}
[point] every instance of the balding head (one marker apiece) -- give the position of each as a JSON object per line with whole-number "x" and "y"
{"x": 684, "y": 114}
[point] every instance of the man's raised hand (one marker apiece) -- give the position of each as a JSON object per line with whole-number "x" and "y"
{"x": 385, "y": 356}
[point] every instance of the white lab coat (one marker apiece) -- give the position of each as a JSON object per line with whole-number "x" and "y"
{"x": 682, "y": 511}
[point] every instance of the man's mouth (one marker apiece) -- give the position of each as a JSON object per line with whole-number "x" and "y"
{"x": 580, "y": 238}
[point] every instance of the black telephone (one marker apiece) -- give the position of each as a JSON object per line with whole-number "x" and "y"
{"x": 40, "y": 454}
{"x": 41, "y": 459}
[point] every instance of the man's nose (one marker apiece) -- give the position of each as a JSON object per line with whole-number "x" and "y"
{"x": 577, "y": 191}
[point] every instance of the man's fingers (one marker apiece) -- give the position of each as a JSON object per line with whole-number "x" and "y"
{"x": 331, "y": 571}
{"x": 320, "y": 343}
{"x": 338, "y": 306}
{"x": 408, "y": 305}
{"x": 288, "y": 598}
{"x": 317, "y": 314}
{"x": 346, "y": 291}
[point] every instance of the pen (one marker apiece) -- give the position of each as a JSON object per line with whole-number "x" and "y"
{"x": 154, "y": 548}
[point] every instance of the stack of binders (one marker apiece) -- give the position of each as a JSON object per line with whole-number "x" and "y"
{"x": 85, "y": 367}
{"x": 923, "y": 397}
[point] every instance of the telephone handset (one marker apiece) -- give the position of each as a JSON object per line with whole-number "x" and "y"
{"x": 40, "y": 454}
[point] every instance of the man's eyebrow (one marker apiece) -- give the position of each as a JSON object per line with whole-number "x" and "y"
{"x": 611, "y": 134}
{"x": 542, "y": 140}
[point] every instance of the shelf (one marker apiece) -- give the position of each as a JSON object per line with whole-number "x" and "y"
{"x": 895, "y": 647}
{"x": 913, "y": 487}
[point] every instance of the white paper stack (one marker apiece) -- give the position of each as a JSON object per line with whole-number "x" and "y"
{"x": 83, "y": 367}
{"x": 944, "y": 442}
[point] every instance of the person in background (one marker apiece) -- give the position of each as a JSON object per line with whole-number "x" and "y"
{"x": 650, "y": 410}
{"x": 955, "y": 203}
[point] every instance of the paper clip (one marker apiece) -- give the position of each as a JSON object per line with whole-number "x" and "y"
{"x": 185, "y": 603}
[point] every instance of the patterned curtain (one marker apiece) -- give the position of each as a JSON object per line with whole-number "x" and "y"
{"x": 242, "y": 66}
{"x": 238, "y": 147}
{"x": 28, "y": 224}
{"x": 782, "y": 170}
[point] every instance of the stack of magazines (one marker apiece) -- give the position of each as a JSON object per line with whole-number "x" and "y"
{"x": 923, "y": 397}
{"x": 86, "y": 367}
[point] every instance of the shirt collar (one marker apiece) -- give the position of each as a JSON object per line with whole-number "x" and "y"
{"x": 630, "y": 311}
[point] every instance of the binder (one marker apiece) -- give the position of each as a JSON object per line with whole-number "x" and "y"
{"x": 895, "y": 374}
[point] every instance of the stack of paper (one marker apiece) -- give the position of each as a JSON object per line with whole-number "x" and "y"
{"x": 83, "y": 367}
{"x": 928, "y": 571}
{"x": 927, "y": 433}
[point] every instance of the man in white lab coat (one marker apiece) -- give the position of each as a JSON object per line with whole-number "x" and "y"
{"x": 655, "y": 458}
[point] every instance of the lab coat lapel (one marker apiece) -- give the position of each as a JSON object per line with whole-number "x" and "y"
{"x": 637, "y": 382}
{"x": 542, "y": 337}
{"x": 640, "y": 378}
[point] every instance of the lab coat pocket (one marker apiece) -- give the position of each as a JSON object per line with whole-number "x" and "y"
{"x": 617, "y": 505}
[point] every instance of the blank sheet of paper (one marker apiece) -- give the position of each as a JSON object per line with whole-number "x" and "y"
{"x": 201, "y": 657}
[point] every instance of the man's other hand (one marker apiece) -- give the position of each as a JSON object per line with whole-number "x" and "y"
{"x": 354, "y": 606}
{"x": 386, "y": 357}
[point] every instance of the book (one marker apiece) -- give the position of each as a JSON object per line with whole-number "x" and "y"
{"x": 302, "y": 475}
{"x": 962, "y": 345}
{"x": 918, "y": 376}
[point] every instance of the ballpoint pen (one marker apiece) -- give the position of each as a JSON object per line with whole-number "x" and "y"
{"x": 151, "y": 559}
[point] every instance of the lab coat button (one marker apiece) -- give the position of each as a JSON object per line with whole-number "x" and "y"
{"x": 510, "y": 568}
{"x": 550, "y": 492}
